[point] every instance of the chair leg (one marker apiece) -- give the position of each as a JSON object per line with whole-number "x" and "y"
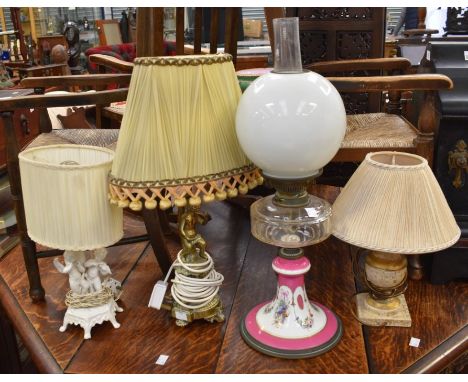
{"x": 156, "y": 237}
{"x": 36, "y": 291}
{"x": 416, "y": 269}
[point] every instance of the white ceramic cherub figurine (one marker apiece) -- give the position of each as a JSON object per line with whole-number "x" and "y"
{"x": 74, "y": 266}
{"x": 96, "y": 267}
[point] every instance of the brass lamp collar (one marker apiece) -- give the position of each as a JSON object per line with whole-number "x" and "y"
{"x": 291, "y": 192}
{"x": 290, "y": 253}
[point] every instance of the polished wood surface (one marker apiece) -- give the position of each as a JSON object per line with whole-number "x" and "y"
{"x": 438, "y": 312}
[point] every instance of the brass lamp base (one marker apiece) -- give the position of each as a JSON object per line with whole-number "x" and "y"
{"x": 391, "y": 312}
{"x": 194, "y": 293}
{"x": 212, "y": 312}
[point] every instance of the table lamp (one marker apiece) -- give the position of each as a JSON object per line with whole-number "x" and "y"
{"x": 65, "y": 201}
{"x": 178, "y": 147}
{"x": 391, "y": 206}
{"x": 290, "y": 123}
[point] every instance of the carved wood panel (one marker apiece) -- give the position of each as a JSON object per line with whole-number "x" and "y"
{"x": 350, "y": 45}
{"x": 334, "y": 14}
{"x": 313, "y": 46}
{"x": 339, "y": 33}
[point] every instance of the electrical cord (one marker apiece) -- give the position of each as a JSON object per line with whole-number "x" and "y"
{"x": 190, "y": 292}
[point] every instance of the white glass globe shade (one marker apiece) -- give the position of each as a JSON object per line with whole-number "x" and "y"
{"x": 291, "y": 125}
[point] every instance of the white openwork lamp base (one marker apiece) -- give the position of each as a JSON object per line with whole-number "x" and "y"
{"x": 89, "y": 317}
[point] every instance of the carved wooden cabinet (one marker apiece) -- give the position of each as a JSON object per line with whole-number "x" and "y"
{"x": 451, "y": 154}
{"x": 340, "y": 33}
{"x": 343, "y": 33}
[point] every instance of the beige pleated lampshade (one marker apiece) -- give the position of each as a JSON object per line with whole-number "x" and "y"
{"x": 393, "y": 203}
{"x": 178, "y": 140}
{"x": 65, "y": 194}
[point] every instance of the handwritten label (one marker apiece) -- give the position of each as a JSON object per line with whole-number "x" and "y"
{"x": 162, "y": 359}
{"x": 414, "y": 342}
{"x": 180, "y": 315}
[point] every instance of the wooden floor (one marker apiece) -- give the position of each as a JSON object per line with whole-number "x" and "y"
{"x": 439, "y": 313}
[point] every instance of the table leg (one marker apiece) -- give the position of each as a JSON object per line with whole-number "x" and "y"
{"x": 36, "y": 291}
{"x": 156, "y": 237}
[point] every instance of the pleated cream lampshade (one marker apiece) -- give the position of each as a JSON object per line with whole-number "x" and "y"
{"x": 65, "y": 190}
{"x": 178, "y": 141}
{"x": 393, "y": 203}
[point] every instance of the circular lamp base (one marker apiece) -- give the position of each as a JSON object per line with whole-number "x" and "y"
{"x": 292, "y": 348}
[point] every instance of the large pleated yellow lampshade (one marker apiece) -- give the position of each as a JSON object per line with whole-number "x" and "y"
{"x": 66, "y": 199}
{"x": 393, "y": 203}
{"x": 178, "y": 141}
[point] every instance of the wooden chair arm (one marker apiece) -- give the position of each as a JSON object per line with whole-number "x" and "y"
{"x": 388, "y": 83}
{"x": 397, "y": 63}
{"x": 17, "y": 65}
{"x": 78, "y": 80}
{"x": 73, "y": 99}
{"x": 32, "y": 69}
{"x": 419, "y": 32}
{"x": 111, "y": 62}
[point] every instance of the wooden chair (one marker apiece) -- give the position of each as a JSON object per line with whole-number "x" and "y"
{"x": 369, "y": 129}
{"x": 98, "y": 137}
{"x": 150, "y": 33}
{"x": 389, "y": 130}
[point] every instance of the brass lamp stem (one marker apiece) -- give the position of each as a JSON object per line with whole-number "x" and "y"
{"x": 385, "y": 275}
{"x": 291, "y": 192}
{"x": 193, "y": 244}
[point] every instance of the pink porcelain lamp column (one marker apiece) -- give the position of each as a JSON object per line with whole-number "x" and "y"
{"x": 290, "y": 123}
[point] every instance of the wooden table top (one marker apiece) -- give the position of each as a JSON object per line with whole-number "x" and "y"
{"x": 438, "y": 312}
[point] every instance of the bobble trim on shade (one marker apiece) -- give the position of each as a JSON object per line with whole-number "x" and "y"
{"x": 196, "y": 193}
{"x": 193, "y": 60}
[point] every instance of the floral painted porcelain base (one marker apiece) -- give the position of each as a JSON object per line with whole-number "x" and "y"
{"x": 290, "y": 326}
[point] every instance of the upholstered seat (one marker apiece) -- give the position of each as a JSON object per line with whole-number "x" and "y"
{"x": 92, "y": 137}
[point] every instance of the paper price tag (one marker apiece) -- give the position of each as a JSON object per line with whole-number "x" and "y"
{"x": 180, "y": 315}
{"x": 414, "y": 342}
{"x": 428, "y": 55}
{"x": 157, "y": 296}
{"x": 162, "y": 359}
{"x": 466, "y": 55}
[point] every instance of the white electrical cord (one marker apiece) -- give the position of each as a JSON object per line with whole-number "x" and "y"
{"x": 191, "y": 292}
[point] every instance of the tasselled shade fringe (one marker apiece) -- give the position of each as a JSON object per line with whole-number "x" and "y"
{"x": 393, "y": 203}
{"x": 178, "y": 138}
